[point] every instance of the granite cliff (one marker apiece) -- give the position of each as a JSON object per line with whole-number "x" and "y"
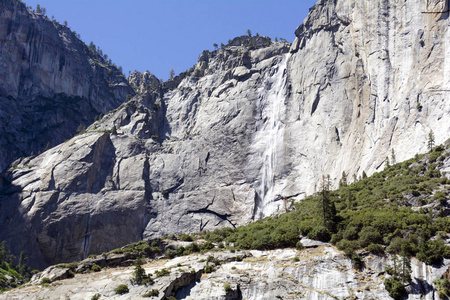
{"x": 250, "y": 126}
{"x": 50, "y": 83}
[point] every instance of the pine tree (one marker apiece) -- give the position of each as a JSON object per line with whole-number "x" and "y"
{"x": 138, "y": 274}
{"x": 343, "y": 181}
{"x": 327, "y": 207}
{"x": 431, "y": 140}
{"x": 171, "y": 73}
{"x": 81, "y": 128}
{"x": 405, "y": 271}
{"x": 393, "y": 160}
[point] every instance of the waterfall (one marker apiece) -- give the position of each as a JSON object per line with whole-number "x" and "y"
{"x": 268, "y": 144}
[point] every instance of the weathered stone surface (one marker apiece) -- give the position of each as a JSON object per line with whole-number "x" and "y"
{"x": 50, "y": 83}
{"x": 226, "y": 147}
{"x": 53, "y": 273}
{"x": 317, "y": 273}
{"x": 143, "y": 81}
{"x": 308, "y": 243}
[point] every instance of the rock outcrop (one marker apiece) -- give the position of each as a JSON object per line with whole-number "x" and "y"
{"x": 50, "y": 83}
{"x": 249, "y": 127}
{"x": 315, "y": 273}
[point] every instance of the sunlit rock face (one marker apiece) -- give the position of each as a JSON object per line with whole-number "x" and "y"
{"x": 50, "y": 83}
{"x": 249, "y": 127}
{"x": 316, "y": 273}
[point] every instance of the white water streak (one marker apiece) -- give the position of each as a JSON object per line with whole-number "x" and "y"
{"x": 269, "y": 139}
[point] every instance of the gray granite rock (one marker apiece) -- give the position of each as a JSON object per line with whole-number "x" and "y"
{"x": 50, "y": 83}
{"x": 220, "y": 146}
{"x": 315, "y": 273}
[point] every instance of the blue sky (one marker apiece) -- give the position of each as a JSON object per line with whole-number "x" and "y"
{"x": 160, "y": 35}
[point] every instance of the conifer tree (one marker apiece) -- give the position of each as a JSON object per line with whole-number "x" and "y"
{"x": 393, "y": 160}
{"x": 343, "y": 181}
{"x": 431, "y": 140}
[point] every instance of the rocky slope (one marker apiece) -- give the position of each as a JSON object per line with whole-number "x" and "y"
{"x": 319, "y": 272}
{"x": 249, "y": 126}
{"x": 50, "y": 83}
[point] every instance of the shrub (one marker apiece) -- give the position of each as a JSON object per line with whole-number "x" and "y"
{"x": 440, "y": 196}
{"x": 162, "y": 272}
{"x": 296, "y": 258}
{"x": 357, "y": 261}
{"x": 192, "y": 248}
{"x": 369, "y": 235}
{"x": 95, "y": 297}
{"x": 45, "y": 281}
{"x": 186, "y": 237}
{"x": 432, "y": 252}
{"x": 152, "y": 293}
{"x": 121, "y": 289}
{"x": 320, "y": 233}
{"x": 395, "y": 287}
{"x": 375, "y": 249}
{"x": 208, "y": 269}
{"x": 351, "y": 233}
{"x": 443, "y": 287}
{"x": 170, "y": 253}
{"x": 227, "y": 287}
{"x": 213, "y": 260}
{"x": 96, "y": 268}
{"x": 138, "y": 275}
{"x": 299, "y": 245}
{"x": 206, "y": 246}
{"x": 347, "y": 246}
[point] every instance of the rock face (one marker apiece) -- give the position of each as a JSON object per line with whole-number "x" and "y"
{"x": 317, "y": 273}
{"x": 50, "y": 83}
{"x": 250, "y": 126}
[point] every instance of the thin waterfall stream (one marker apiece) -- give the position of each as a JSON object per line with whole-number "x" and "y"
{"x": 269, "y": 139}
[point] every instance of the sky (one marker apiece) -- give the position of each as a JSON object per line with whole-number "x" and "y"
{"x": 157, "y": 35}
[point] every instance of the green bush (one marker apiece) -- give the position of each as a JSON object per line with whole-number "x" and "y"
{"x": 186, "y": 237}
{"x": 209, "y": 269}
{"x": 440, "y": 196}
{"x": 96, "y": 297}
{"x": 443, "y": 287}
{"x": 162, "y": 272}
{"x": 121, "y": 289}
{"x": 152, "y": 293}
{"x": 357, "y": 261}
{"x": 138, "y": 274}
{"x": 395, "y": 288}
{"x": 350, "y": 233}
{"x": 375, "y": 249}
{"x": 170, "y": 253}
{"x": 369, "y": 235}
{"x": 96, "y": 268}
{"x": 45, "y": 281}
{"x": 432, "y": 252}
{"x": 320, "y": 233}
{"x": 347, "y": 246}
{"x": 227, "y": 287}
